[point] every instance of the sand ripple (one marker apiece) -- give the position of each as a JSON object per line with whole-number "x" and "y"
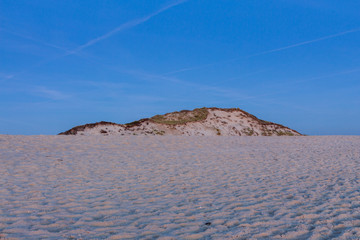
{"x": 66, "y": 187}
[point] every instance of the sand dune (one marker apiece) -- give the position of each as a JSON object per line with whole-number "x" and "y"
{"x": 168, "y": 187}
{"x": 197, "y": 122}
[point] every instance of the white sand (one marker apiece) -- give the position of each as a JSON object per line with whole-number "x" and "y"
{"x": 61, "y": 187}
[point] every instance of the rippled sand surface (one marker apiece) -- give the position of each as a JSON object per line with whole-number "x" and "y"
{"x": 66, "y": 187}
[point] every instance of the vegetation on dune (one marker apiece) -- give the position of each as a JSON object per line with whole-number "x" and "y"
{"x": 284, "y": 133}
{"x": 263, "y": 122}
{"x": 182, "y": 117}
{"x": 158, "y": 132}
{"x": 82, "y": 128}
{"x": 135, "y": 123}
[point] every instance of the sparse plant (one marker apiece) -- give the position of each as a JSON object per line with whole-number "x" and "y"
{"x": 248, "y": 131}
{"x": 218, "y": 132}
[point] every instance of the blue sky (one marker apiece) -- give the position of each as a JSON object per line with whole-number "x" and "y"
{"x": 66, "y": 63}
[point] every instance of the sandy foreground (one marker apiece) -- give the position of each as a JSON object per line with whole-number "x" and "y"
{"x": 74, "y": 187}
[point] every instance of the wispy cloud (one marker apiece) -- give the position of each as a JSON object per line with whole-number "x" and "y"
{"x": 13, "y": 121}
{"x": 50, "y": 93}
{"x": 5, "y": 75}
{"x": 329, "y": 75}
{"x": 242, "y": 76}
{"x": 215, "y": 90}
{"x": 163, "y": 79}
{"x": 294, "y": 83}
{"x": 266, "y": 52}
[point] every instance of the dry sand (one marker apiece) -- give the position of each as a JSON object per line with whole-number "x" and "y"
{"x": 74, "y": 187}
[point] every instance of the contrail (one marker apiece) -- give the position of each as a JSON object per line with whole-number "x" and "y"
{"x": 122, "y": 27}
{"x": 266, "y": 52}
{"x": 35, "y": 40}
{"x": 306, "y": 42}
{"x": 126, "y": 25}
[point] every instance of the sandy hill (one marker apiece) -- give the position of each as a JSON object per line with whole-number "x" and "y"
{"x": 198, "y": 122}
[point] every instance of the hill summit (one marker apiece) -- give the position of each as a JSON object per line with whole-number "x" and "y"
{"x": 198, "y": 122}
